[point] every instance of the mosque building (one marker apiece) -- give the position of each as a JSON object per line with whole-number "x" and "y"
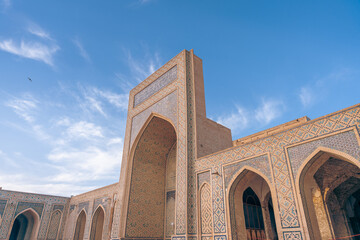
{"x": 183, "y": 177}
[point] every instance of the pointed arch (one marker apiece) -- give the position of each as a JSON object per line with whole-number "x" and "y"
{"x": 54, "y": 225}
{"x": 322, "y": 190}
{"x": 206, "y": 223}
{"x": 80, "y": 225}
{"x": 261, "y": 186}
{"x": 25, "y": 225}
{"x": 97, "y": 223}
{"x": 147, "y": 193}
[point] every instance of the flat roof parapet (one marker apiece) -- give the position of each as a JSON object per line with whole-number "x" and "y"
{"x": 270, "y": 131}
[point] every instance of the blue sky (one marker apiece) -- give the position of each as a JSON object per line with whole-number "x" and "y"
{"x": 265, "y": 63}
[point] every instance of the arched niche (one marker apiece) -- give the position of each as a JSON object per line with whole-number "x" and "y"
{"x": 151, "y": 207}
{"x": 54, "y": 225}
{"x": 25, "y": 225}
{"x": 329, "y": 184}
{"x": 249, "y": 198}
{"x": 80, "y": 226}
{"x": 206, "y": 223}
{"x": 97, "y": 224}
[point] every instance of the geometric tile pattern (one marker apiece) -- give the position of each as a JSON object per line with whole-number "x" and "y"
{"x": 295, "y": 235}
{"x": 345, "y": 142}
{"x": 58, "y": 207}
{"x": 275, "y": 146}
{"x": 38, "y": 207}
{"x": 220, "y": 237}
{"x": 205, "y": 209}
{"x": 165, "y": 107}
{"x": 84, "y": 205}
{"x": 260, "y": 163}
{"x": 11, "y": 209}
{"x": 54, "y": 225}
{"x": 155, "y": 86}
{"x": 2, "y": 206}
{"x": 203, "y": 178}
{"x": 181, "y": 168}
{"x": 190, "y": 90}
{"x": 218, "y": 204}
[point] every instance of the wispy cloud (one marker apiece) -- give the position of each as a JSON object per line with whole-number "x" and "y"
{"x": 236, "y": 121}
{"x": 139, "y": 69}
{"x": 79, "y": 151}
{"x": 24, "y": 107}
{"x": 38, "y": 31}
{"x": 269, "y": 110}
{"x": 244, "y": 118}
{"x": 306, "y": 96}
{"x": 81, "y": 49}
{"x": 309, "y": 93}
{"x": 84, "y": 129}
{"x": 32, "y": 50}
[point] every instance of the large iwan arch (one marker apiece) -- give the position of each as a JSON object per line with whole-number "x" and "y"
{"x": 151, "y": 209}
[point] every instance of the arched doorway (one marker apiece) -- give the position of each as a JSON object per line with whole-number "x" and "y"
{"x": 251, "y": 208}
{"x": 151, "y": 209}
{"x": 97, "y": 224}
{"x": 330, "y": 191}
{"x": 80, "y": 226}
{"x": 25, "y": 226}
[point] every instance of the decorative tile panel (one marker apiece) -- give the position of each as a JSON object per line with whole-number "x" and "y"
{"x": 191, "y": 206}
{"x": 203, "y": 178}
{"x": 166, "y": 107}
{"x": 155, "y": 86}
{"x": 38, "y": 207}
{"x": 2, "y": 206}
{"x": 205, "y": 210}
{"x": 260, "y": 163}
{"x": 54, "y": 225}
{"x": 58, "y": 207}
{"x": 84, "y": 205}
{"x": 345, "y": 142}
{"x": 220, "y": 237}
{"x": 295, "y": 235}
{"x": 218, "y": 204}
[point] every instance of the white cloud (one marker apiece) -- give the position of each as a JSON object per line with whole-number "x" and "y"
{"x": 32, "y": 50}
{"x": 82, "y": 50}
{"x": 118, "y": 100}
{"x": 88, "y": 163}
{"x": 140, "y": 69}
{"x": 268, "y": 111}
{"x": 306, "y": 97}
{"x": 243, "y": 118}
{"x": 24, "y": 107}
{"x": 236, "y": 121}
{"x": 38, "y": 31}
{"x": 84, "y": 129}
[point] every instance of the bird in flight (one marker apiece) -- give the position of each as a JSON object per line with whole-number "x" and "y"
{"x": 29, "y": 79}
